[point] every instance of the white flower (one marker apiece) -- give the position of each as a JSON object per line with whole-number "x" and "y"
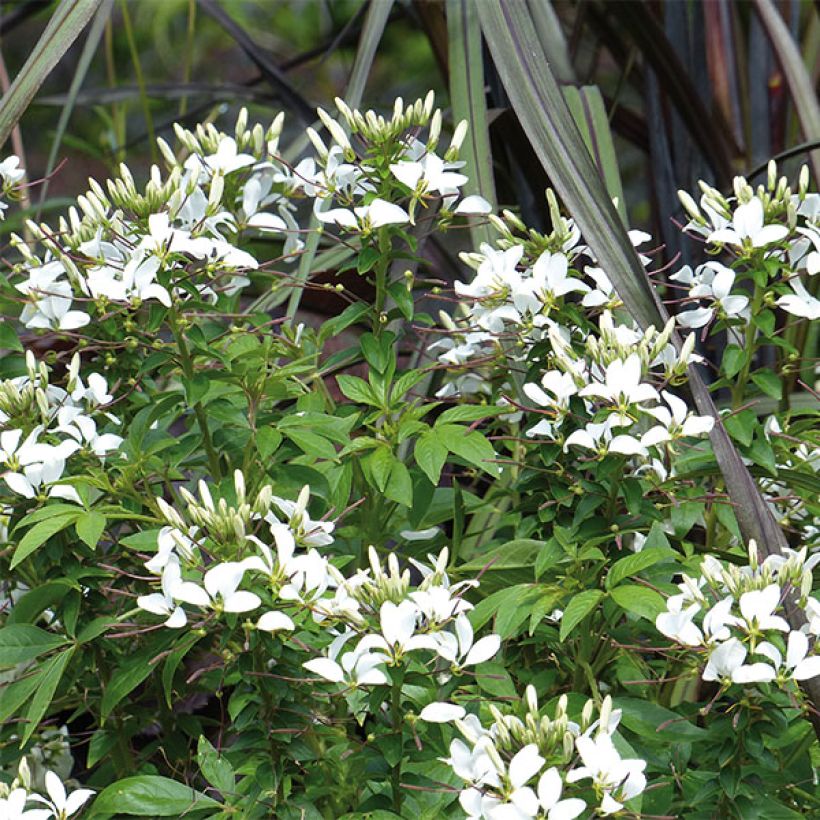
{"x": 13, "y": 807}
{"x": 473, "y": 205}
{"x": 474, "y": 765}
{"x": 221, "y": 590}
{"x": 622, "y": 385}
{"x": 10, "y": 170}
{"x": 520, "y": 800}
{"x": 748, "y": 228}
{"x": 224, "y": 161}
{"x": 725, "y": 660}
{"x": 549, "y": 796}
{"x": 620, "y": 779}
{"x": 679, "y": 625}
{"x": 429, "y": 174}
{"x": 357, "y": 668}
{"x": 63, "y": 805}
{"x": 800, "y": 302}
{"x": 163, "y": 603}
{"x": 398, "y": 625}
{"x": 598, "y": 437}
{"x": 368, "y": 217}
{"x": 799, "y": 664}
{"x": 460, "y": 650}
{"x": 757, "y": 608}
{"x": 677, "y": 422}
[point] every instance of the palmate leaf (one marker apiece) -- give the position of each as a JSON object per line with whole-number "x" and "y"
{"x": 542, "y": 111}
{"x": 68, "y": 20}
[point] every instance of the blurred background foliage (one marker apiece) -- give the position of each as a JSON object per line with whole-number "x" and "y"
{"x": 689, "y": 89}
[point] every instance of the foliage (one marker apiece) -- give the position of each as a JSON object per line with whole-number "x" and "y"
{"x": 462, "y": 548}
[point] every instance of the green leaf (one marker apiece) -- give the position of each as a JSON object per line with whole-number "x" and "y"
{"x": 367, "y": 258}
{"x": 23, "y": 642}
{"x": 52, "y": 673}
{"x": 378, "y": 351}
{"x": 215, "y": 768}
{"x": 467, "y": 412}
{"x": 471, "y": 446}
{"x": 399, "y": 487}
{"x": 357, "y": 390}
{"x": 311, "y": 443}
{"x": 769, "y": 383}
{"x": 349, "y": 316}
{"x": 267, "y": 441}
{"x": 516, "y": 554}
{"x": 15, "y": 694}
{"x": 150, "y": 796}
{"x": 741, "y": 426}
{"x": 734, "y": 358}
{"x": 430, "y": 455}
{"x": 29, "y": 607}
{"x": 90, "y": 527}
{"x": 8, "y": 337}
{"x": 577, "y": 609}
{"x": 380, "y": 463}
{"x": 402, "y": 294}
{"x": 656, "y": 723}
{"x": 40, "y": 533}
{"x": 492, "y": 677}
{"x": 196, "y": 388}
{"x": 133, "y": 670}
{"x": 172, "y": 662}
{"x": 549, "y": 555}
{"x": 633, "y": 564}
{"x": 67, "y": 21}
{"x": 639, "y": 600}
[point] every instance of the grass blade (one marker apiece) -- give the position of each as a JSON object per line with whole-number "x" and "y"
{"x": 589, "y": 112}
{"x": 378, "y": 12}
{"x": 800, "y": 84}
{"x": 65, "y": 25}
{"x": 468, "y": 101}
{"x": 95, "y": 33}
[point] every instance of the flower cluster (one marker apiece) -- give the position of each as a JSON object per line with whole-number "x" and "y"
{"x": 389, "y": 618}
{"x": 519, "y": 767}
{"x": 612, "y": 383}
{"x": 44, "y": 425}
{"x": 202, "y": 561}
{"x": 770, "y": 223}
{"x": 736, "y": 615}
{"x": 351, "y": 176}
{"x": 59, "y": 803}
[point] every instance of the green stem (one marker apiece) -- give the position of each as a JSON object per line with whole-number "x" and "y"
{"x": 187, "y": 364}
{"x": 398, "y": 724}
{"x": 381, "y": 269}
{"x": 749, "y": 339}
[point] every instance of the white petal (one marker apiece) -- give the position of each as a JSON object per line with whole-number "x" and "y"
{"x": 440, "y": 712}
{"x": 242, "y": 602}
{"x": 473, "y": 205}
{"x": 274, "y": 621}
{"x": 325, "y": 668}
{"x": 525, "y": 765}
{"x": 483, "y": 650}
